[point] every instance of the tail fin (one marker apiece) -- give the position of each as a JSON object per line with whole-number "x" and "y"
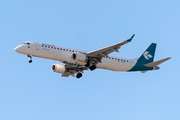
{"x": 148, "y": 55}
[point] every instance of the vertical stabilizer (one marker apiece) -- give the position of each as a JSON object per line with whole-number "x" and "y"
{"x": 148, "y": 54}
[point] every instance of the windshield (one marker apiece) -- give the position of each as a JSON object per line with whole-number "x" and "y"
{"x": 27, "y": 43}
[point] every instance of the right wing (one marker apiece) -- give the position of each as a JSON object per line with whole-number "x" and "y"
{"x": 107, "y": 50}
{"x": 94, "y": 58}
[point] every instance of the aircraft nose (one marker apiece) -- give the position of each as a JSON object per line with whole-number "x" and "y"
{"x": 17, "y": 49}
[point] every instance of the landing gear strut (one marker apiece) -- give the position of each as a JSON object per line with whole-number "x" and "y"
{"x": 79, "y": 75}
{"x": 88, "y": 63}
{"x": 30, "y": 58}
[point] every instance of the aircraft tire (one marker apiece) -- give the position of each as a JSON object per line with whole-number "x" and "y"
{"x": 93, "y": 67}
{"x": 30, "y": 61}
{"x": 79, "y": 75}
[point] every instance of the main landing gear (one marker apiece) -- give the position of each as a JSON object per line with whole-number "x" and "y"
{"x": 88, "y": 63}
{"x": 93, "y": 67}
{"x": 79, "y": 75}
{"x": 30, "y": 58}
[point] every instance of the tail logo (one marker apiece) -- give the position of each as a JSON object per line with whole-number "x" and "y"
{"x": 147, "y": 55}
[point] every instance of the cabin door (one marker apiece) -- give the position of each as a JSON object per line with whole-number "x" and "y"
{"x": 37, "y": 46}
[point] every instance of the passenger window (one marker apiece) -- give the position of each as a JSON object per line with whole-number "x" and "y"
{"x": 64, "y": 49}
{"x": 42, "y": 45}
{"x": 51, "y": 47}
{"x": 48, "y": 46}
{"x": 45, "y": 46}
{"x": 58, "y": 48}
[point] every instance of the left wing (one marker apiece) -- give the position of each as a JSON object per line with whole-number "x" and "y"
{"x": 107, "y": 50}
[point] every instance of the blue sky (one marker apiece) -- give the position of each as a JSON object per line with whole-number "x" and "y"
{"x": 33, "y": 91}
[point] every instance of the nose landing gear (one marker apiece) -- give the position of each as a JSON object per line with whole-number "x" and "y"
{"x": 30, "y": 58}
{"x": 30, "y": 61}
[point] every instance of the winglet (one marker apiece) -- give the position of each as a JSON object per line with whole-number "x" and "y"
{"x": 129, "y": 40}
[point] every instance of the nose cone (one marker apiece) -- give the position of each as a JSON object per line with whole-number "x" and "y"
{"x": 17, "y": 49}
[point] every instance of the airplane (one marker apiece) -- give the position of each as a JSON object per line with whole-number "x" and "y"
{"x": 76, "y": 61}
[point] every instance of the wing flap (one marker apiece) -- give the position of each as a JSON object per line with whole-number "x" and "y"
{"x": 66, "y": 74}
{"x": 71, "y": 70}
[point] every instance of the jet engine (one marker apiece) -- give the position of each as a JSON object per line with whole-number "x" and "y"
{"x": 58, "y": 68}
{"x": 79, "y": 56}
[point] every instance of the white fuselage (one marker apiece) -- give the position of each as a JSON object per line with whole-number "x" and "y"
{"x": 64, "y": 55}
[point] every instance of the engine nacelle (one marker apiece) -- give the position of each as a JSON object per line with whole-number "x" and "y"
{"x": 58, "y": 68}
{"x": 79, "y": 56}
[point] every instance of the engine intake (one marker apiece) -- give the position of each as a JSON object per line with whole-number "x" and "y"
{"x": 79, "y": 56}
{"x": 58, "y": 68}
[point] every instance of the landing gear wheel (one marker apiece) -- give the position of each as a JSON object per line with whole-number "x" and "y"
{"x": 30, "y": 61}
{"x": 93, "y": 67}
{"x": 30, "y": 58}
{"x": 79, "y": 75}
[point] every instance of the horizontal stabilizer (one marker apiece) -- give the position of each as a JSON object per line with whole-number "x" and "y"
{"x": 153, "y": 64}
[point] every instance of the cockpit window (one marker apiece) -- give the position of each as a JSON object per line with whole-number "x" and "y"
{"x": 27, "y": 43}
